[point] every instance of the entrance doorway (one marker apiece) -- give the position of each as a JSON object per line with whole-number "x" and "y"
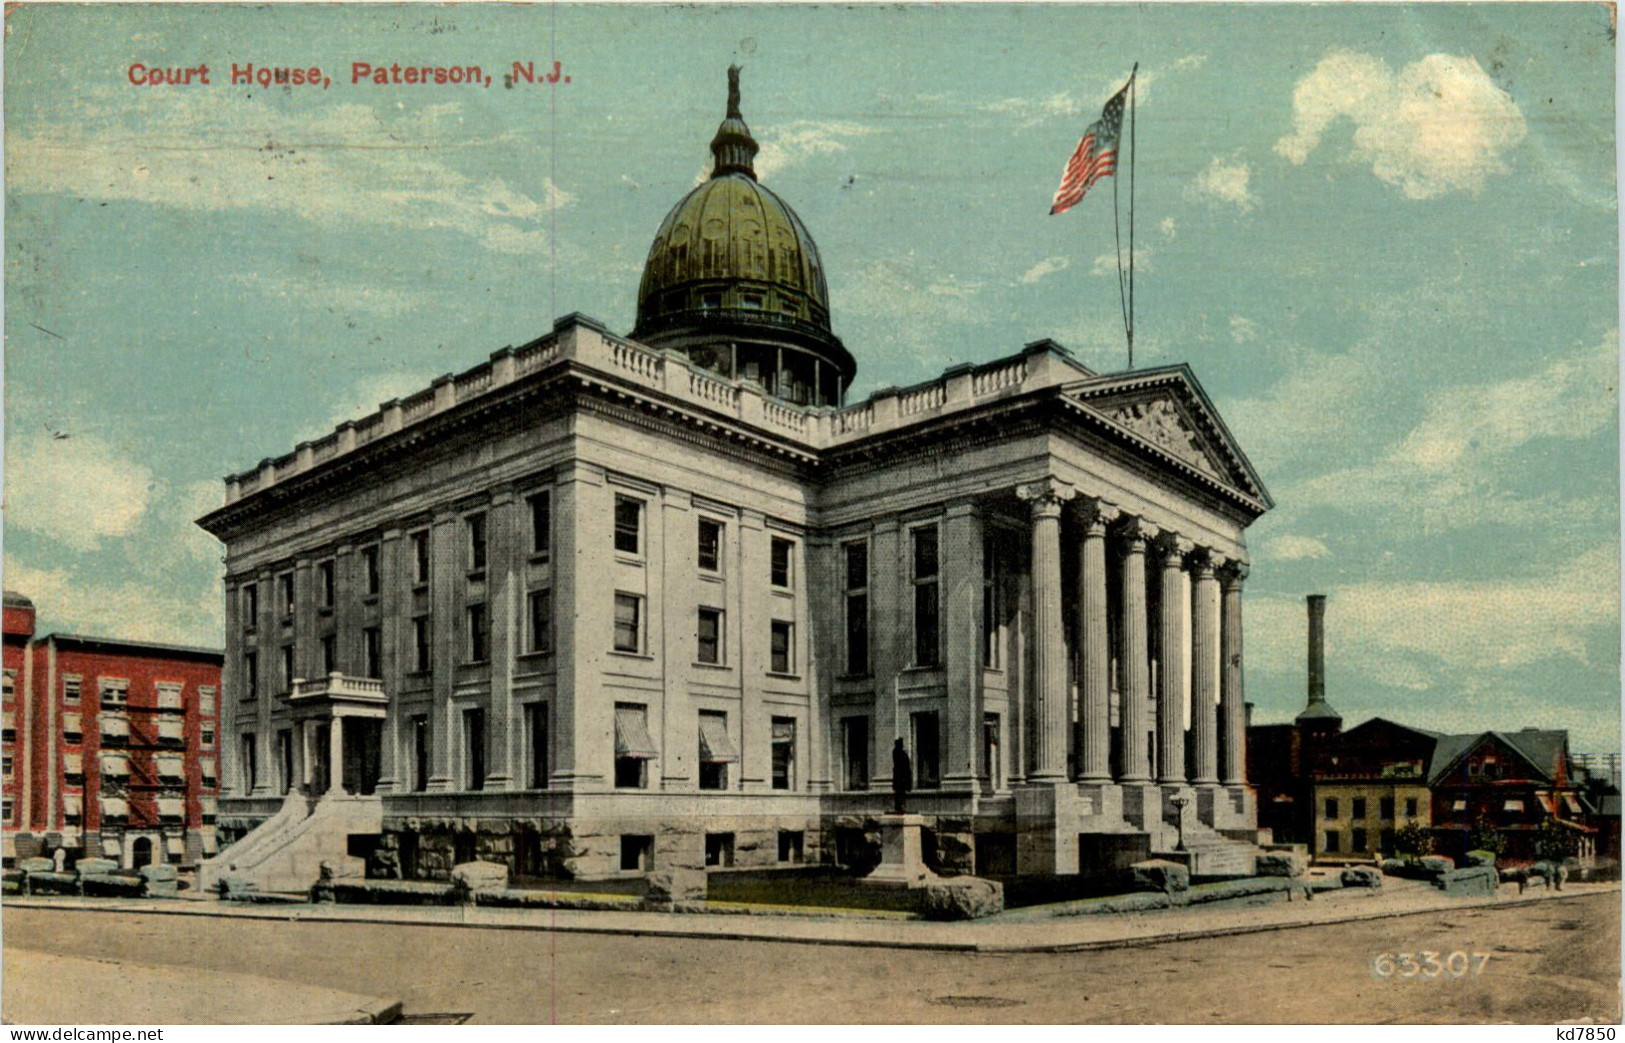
{"x": 141, "y": 853}
{"x": 363, "y": 747}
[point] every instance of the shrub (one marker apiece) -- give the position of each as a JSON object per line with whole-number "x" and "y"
{"x": 1413, "y": 840}
{"x": 1554, "y": 843}
{"x": 1485, "y": 837}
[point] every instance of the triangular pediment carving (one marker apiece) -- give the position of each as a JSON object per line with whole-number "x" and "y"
{"x": 1161, "y": 422}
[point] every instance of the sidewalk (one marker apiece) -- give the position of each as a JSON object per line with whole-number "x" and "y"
{"x": 46, "y": 989}
{"x": 1027, "y": 930}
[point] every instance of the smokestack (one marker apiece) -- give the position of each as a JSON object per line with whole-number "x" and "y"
{"x": 1317, "y": 648}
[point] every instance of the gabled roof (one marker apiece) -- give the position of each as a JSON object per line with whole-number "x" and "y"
{"x": 1165, "y": 411}
{"x": 1538, "y": 748}
{"x": 1375, "y": 722}
{"x": 1544, "y": 747}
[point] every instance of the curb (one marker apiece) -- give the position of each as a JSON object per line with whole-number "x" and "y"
{"x": 664, "y": 930}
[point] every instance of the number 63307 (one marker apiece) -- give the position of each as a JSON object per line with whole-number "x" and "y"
{"x": 1425, "y": 964}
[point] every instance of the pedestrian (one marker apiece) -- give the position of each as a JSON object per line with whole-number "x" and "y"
{"x": 902, "y": 776}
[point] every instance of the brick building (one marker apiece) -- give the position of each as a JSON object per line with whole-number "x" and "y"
{"x": 606, "y": 604}
{"x": 18, "y": 626}
{"x": 116, "y": 745}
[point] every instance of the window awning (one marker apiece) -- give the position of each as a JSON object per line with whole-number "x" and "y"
{"x": 632, "y": 734}
{"x": 210, "y": 805}
{"x": 1460, "y": 805}
{"x": 115, "y": 807}
{"x": 715, "y": 746}
{"x": 1512, "y": 805}
{"x": 1571, "y": 802}
{"x": 210, "y": 845}
{"x": 8, "y": 720}
{"x": 784, "y": 731}
{"x": 73, "y": 764}
{"x": 72, "y": 724}
{"x": 171, "y": 766}
{"x": 207, "y": 766}
{"x": 171, "y": 807}
{"x": 110, "y": 848}
{"x": 73, "y": 805}
{"x": 171, "y": 728}
{"x": 175, "y": 845}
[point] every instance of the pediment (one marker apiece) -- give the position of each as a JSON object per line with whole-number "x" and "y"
{"x": 1167, "y": 411}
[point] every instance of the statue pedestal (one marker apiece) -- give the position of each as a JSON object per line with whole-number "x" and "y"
{"x": 901, "y": 864}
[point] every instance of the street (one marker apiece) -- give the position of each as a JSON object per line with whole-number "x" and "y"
{"x": 1548, "y": 962}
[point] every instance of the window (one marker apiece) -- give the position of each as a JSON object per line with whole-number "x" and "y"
{"x": 251, "y": 606}
{"x": 719, "y": 850}
{"x": 205, "y": 700}
{"x": 636, "y": 851}
{"x": 1358, "y": 810}
{"x": 251, "y": 773}
{"x": 927, "y": 760}
{"x": 6, "y": 765}
{"x": 369, "y": 570}
{"x": 633, "y": 747}
{"x": 716, "y": 750}
{"x": 855, "y": 752}
{"x": 10, "y": 683}
{"x": 284, "y": 760}
{"x": 287, "y": 668}
{"x": 792, "y": 845}
{"x": 206, "y": 735}
{"x": 1410, "y": 807}
{"x": 628, "y": 635}
{"x": 709, "y": 636}
{"x": 784, "y": 753}
{"x": 7, "y": 810}
{"x": 1331, "y": 807}
{"x": 422, "y": 647}
{"x": 284, "y": 584}
{"x": 992, "y": 765}
{"x": 73, "y": 729}
{"x": 70, "y": 689}
{"x": 475, "y": 526}
{"x": 329, "y": 654}
{"x": 420, "y": 557}
{"x": 420, "y": 753}
{"x": 628, "y": 523}
{"x": 992, "y": 603}
{"x": 1359, "y": 845}
{"x": 782, "y": 647}
{"x": 372, "y": 653}
{"x": 541, "y": 621}
{"x": 781, "y": 552}
{"x": 324, "y": 584}
{"x": 1333, "y": 841}
{"x": 857, "y": 607}
{"x": 251, "y": 675}
{"x": 474, "y": 749}
{"x": 1385, "y": 808}
{"x": 536, "y": 743}
{"x": 924, "y": 576}
{"x": 710, "y": 549}
{"x": 1385, "y": 841}
{"x": 541, "y": 522}
{"x": 479, "y": 635}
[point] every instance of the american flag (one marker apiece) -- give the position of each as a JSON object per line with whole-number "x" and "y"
{"x": 1094, "y": 158}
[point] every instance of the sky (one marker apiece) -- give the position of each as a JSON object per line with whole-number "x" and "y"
{"x": 1384, "y": 238}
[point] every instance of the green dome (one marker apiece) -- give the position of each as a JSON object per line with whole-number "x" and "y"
{"x": 733, "y": 268}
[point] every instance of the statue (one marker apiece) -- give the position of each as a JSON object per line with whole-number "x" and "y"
{"x": 902, "y": 776}
{"x": 733, "y": 92}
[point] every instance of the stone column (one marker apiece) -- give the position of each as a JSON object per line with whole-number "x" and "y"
{"x": 961, "y": 578}
{"x": 1049, "y": 634}
{"x": 1171, "y": 677}
{"x": 335, "y": 756}
{"x": 394, "y": 618}
{"x": 1231, "y": 695}
{"x": 447, "y": 579}
{"x": 1094, "y": 652}
{"x": 1204, "y": 667}
{"x": 504, "y": 580}
{"x": 1136, "y": 679}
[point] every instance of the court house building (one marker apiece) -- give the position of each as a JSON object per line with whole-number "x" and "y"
{"x": 605, "y": 604}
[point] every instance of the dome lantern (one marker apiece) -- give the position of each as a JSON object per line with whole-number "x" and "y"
{"x": 734, "y": 281}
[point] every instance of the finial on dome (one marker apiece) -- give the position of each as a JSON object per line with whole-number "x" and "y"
{"x": 733, "y": 146}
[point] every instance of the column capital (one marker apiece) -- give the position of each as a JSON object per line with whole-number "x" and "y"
{"x": 1096, "y": 514}
{"x": 1046, "y": 496}
{"x": 389, "y": 534}
{"x": 1138, "y": 532}
{"x": 1173, "y": 547}
{"x": 1203, "y": 562}
{"x": 1232, "y": 574}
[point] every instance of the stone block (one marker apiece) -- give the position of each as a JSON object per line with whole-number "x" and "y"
{"x": 1361, "y": 876}
{"x": 480, "y": 876}
{"x": 1473, "y": 881}
{"x": 961, "y": 898}
{"x": 87, "y": 866}
{"x": 1481, "y": 858}
{"x": 1279, "y": 863}
{"x": 1159, "y": 875}
{"x": 1393, "y": 866}
{"x": 112, "y": 885}
{"x": 53, "y": 883}
{"x": 36, "y": 865}
{"x": 1435, "y": 864}
{"x": 668, "y": 886}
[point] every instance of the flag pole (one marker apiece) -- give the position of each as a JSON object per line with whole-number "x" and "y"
{"x": 1133, "y": 126}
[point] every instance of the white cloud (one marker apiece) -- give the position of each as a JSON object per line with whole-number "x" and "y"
{"x": 326, "y": 293}
{"x": 76, "y": 490}
{"x": 155, "y": 610}
{"x": 1029, "y": 112}
{"x": 786, "y": 146}
{"x": 1294, "y": 548}
{"x": 1169, "y": 228}
{"x": 365, "y": 397}
{"x": 1242, "y": 329}
{"x": 1437, "y": 126}
{"x": 1448, "y": 470}
{"x": 1048, "y": 266}
{"x": 1224, "y": 182}
{"x": 338, "y": 166}
{"x": 1106, "y": 264}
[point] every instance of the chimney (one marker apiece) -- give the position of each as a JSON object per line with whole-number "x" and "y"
{"x": 1317, "y": 648}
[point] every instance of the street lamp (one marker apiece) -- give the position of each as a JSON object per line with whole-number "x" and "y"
{"x": 1179, "y": 821}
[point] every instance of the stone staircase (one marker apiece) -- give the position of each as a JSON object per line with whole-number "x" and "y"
{"x": 286, "y": 851}
{"x": 1212, "y": 854}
